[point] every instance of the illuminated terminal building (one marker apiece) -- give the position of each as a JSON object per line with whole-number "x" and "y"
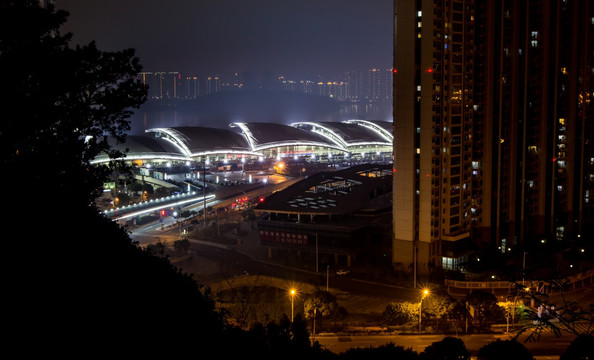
{"x": 250, "y": 144}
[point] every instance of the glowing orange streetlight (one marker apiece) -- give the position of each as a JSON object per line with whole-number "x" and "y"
{"x": 292, "y": 292}
{"x": 424, "y": 294}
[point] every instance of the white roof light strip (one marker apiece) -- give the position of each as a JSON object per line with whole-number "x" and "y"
{"x": 325, "y": 132}
{"x": 175, "y": 137}
{"x": 247, "y": 134}
{"x": 374, "y": 127}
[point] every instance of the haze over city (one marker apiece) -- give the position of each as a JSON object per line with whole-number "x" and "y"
{"x": 299, "y": 39}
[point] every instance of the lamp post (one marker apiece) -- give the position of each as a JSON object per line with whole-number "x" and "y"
{"x": 523, "y": 268}
{"x": 424, "y": 294}
{"x": 292, "y": 292}
{"x": 327, "y": 276}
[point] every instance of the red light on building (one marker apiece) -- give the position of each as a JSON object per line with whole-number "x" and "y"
{"x": 261, "y": 199}
{"x": 395, "y": 71}
{"x": 430, "y": 70}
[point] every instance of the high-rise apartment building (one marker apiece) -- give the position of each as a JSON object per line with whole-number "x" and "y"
{"x": 493, "y": 126}
{"x": 535, "y": 104}
{"x": 191, "y": 87}
{"x": 379, "y": 84}
{"x": 353, "y": 78}
{"x": 433, "y": 118}
{"x": 162, "y": 85}
{"x": 213, "y": 84}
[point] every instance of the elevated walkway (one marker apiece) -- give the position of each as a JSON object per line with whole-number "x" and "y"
{"x": 501, "y": 288}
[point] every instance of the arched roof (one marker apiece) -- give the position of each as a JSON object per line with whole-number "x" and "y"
{"x": 185, "y": 143}
{"x": 143, "y": 148}
{"x": 196, "y": 141}
{"x": 349, "y": 133}
{"x": 384, "y": 129}
{"x": 266, "y": 135}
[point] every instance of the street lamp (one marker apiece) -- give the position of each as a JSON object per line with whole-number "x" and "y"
{"x": 424, "y": 294}
{"x": 292, "y": 292}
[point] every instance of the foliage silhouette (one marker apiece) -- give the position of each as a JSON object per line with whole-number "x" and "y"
{"x": 546, "y": 315}
{"x": 388, "y": 351}
{"x": 78, "y": 280}
{"x": 449, "y": 348}
{"x": 504, "y": 349}
{"x": 485, "y": 308}
{"x": 581, "y": 348}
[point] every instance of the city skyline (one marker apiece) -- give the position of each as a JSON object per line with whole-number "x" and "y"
{"x": 374, "y": 84}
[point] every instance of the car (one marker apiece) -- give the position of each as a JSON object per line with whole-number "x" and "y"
{"x": 343, "y": 272}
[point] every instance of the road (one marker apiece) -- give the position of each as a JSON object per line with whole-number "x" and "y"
{"x": 224, "y": 196}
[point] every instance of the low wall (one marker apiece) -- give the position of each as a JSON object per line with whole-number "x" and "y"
{"x": 463, "y": 288}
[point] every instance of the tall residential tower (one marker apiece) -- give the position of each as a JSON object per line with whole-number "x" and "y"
{"x": 493, "y": 126}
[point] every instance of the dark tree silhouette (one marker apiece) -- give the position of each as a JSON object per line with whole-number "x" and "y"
{"x": 560, "y": 316}
{"x": 504, "y": 349}
{"x": 484, "y": 308}
{"x": 388, "y": 351}
{"x": 580, "y": 349}
{"x": 449, "y": 348}
{"x": 77, "y": 282}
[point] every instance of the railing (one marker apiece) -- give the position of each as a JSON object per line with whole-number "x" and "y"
{"x": 572, "y": 282}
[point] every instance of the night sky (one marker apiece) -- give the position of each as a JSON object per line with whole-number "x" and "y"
{"x": 299, "y": 39}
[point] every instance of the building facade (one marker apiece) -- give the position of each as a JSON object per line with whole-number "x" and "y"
{"x": 492, "y": 126}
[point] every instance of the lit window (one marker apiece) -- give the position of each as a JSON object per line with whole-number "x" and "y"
{"x": 420, "y": 13}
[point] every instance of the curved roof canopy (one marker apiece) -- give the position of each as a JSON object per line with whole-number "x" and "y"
{"x": 349, "y": 133}
{"x": 185, "y": 143}
{"x": 262, "y": 136}
{"x": 197, "y": 141}
{"x": 383, "y": 128}
{"x": 143, "y": 148}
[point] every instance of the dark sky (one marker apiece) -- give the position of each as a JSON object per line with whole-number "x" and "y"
{"x": 295, "y": 38}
